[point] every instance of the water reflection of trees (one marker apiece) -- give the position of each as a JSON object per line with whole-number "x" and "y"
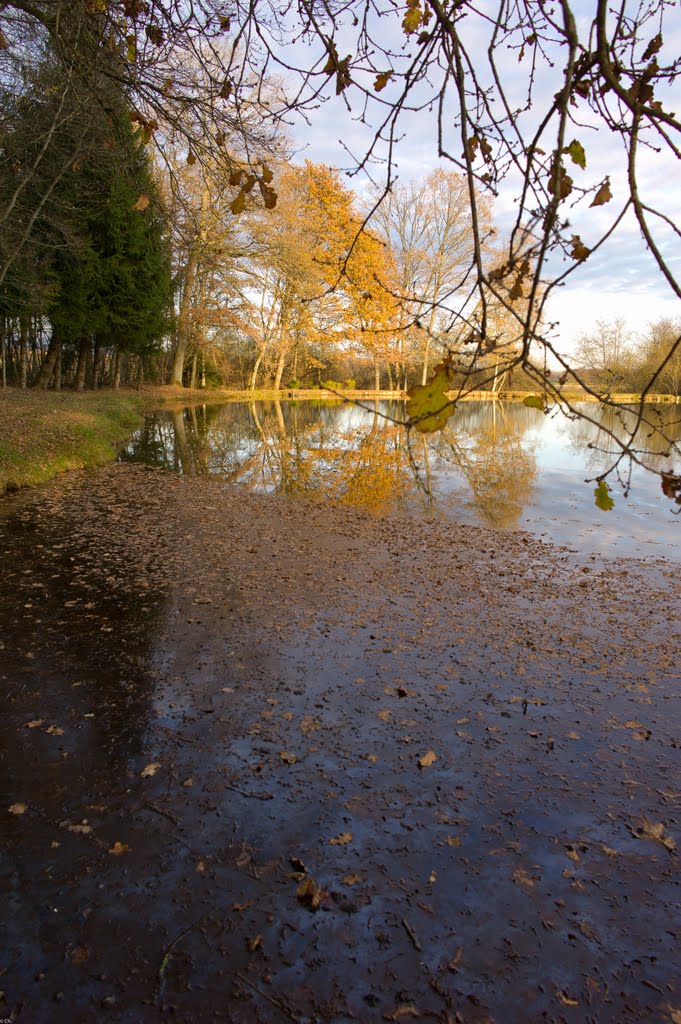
{"x": 595, "y": 441}
{"x": 487, "y": 448}
{"x": 354, "y": 455}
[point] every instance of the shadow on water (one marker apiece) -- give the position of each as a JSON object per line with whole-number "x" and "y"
{"x": 497, "y": 464}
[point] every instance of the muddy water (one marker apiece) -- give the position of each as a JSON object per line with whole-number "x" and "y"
{"x": 214, "y": 707}
{"x": 497, "y": 464}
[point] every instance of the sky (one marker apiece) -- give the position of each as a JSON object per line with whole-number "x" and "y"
{"x": 620, "y": 281}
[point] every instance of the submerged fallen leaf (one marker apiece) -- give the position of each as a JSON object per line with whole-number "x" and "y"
{"x": 456, "y": 960}
{"x": 342, "y": 840}
{"x": 428, "y": 759}
{"x": 80, "y": 955}
{"x": 118, "y": 849}
{"x": 83, "y": 829}
{"x": 522, "y": 879}
{"x": 254, "y": 944}
{"x": 150, "y": 770}
{"x": 351, "y": 879}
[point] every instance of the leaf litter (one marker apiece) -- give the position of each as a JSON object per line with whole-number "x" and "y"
{"x": 460, "y": 623}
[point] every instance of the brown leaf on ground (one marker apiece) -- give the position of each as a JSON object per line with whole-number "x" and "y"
{"x": 655, "y": 831}
{"x": 310, "y": 894}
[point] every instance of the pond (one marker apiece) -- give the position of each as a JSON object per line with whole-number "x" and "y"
{"x": 497, "y": 464}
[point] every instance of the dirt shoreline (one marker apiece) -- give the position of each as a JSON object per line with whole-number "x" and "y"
{"x": 213, "y": 809}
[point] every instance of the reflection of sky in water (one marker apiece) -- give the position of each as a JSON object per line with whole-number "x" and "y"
{"x": 497, "y": 464}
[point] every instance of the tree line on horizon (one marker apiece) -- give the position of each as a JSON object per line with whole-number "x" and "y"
{"x": 154, "y": 226}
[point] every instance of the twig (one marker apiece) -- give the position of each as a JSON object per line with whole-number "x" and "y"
{"x": 412, "y": 935}
{"x": 253, "y": 796}
{"x": 275, "y": 1002}
{"x": 168, "y": 953}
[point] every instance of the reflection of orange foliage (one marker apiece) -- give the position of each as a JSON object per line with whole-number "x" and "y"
{"x": 375, "y": 474}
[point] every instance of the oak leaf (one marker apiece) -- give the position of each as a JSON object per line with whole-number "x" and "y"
{"x": 382, "y": 80}
{"x": 604, "y": 195}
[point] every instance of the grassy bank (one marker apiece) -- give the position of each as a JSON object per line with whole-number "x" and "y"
{"x": 43, "y": 433}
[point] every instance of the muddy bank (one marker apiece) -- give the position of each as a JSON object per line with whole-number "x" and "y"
{"x": 269, "y": 761}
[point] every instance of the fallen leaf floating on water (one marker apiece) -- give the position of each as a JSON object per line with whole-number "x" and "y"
{"x": 54, "y": 730}
{"x": 351, "y": 879}
{"x": 34, "y": 723}
{"x": 674, "y": 1014}
{"x": 150, "y": 770}
{"x": 287, "y": 758}
{"x": 342, "y": 840}
{"x": 653, "y": 830}
{"x": 254, "y": 944}
{"x": 428, "y": 759}
{"x": 118, "y": 849}
{"x": 17, "y": 808}
{"x": 565, "y": 999}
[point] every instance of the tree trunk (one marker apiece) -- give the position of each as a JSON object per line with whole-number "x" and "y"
{"x": 280, "y": 371}
{"x": 23, "y": 354}
{"x": 117, "y": 370}
{"x": 81, "y": 369}
{"x": 45, "y": 375}
{"x": 192, "y": 380}
{"x": 57, "y": 367}
{"x": 254, "y": 372}
{"x": 97, "y": 363}
{"x": 203, "y": 369}
{"x": 183, "y": 329}
{"x": 426, "y": 357}
{"x": 377, "y": 376}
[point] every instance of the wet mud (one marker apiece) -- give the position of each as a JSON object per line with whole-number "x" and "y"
{"x": 263, "y": 760}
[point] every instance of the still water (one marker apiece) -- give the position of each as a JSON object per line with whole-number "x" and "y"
{"x": 497, "y": 464}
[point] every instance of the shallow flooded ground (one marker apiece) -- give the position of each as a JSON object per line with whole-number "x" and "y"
{"x": 269, "y": 760}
